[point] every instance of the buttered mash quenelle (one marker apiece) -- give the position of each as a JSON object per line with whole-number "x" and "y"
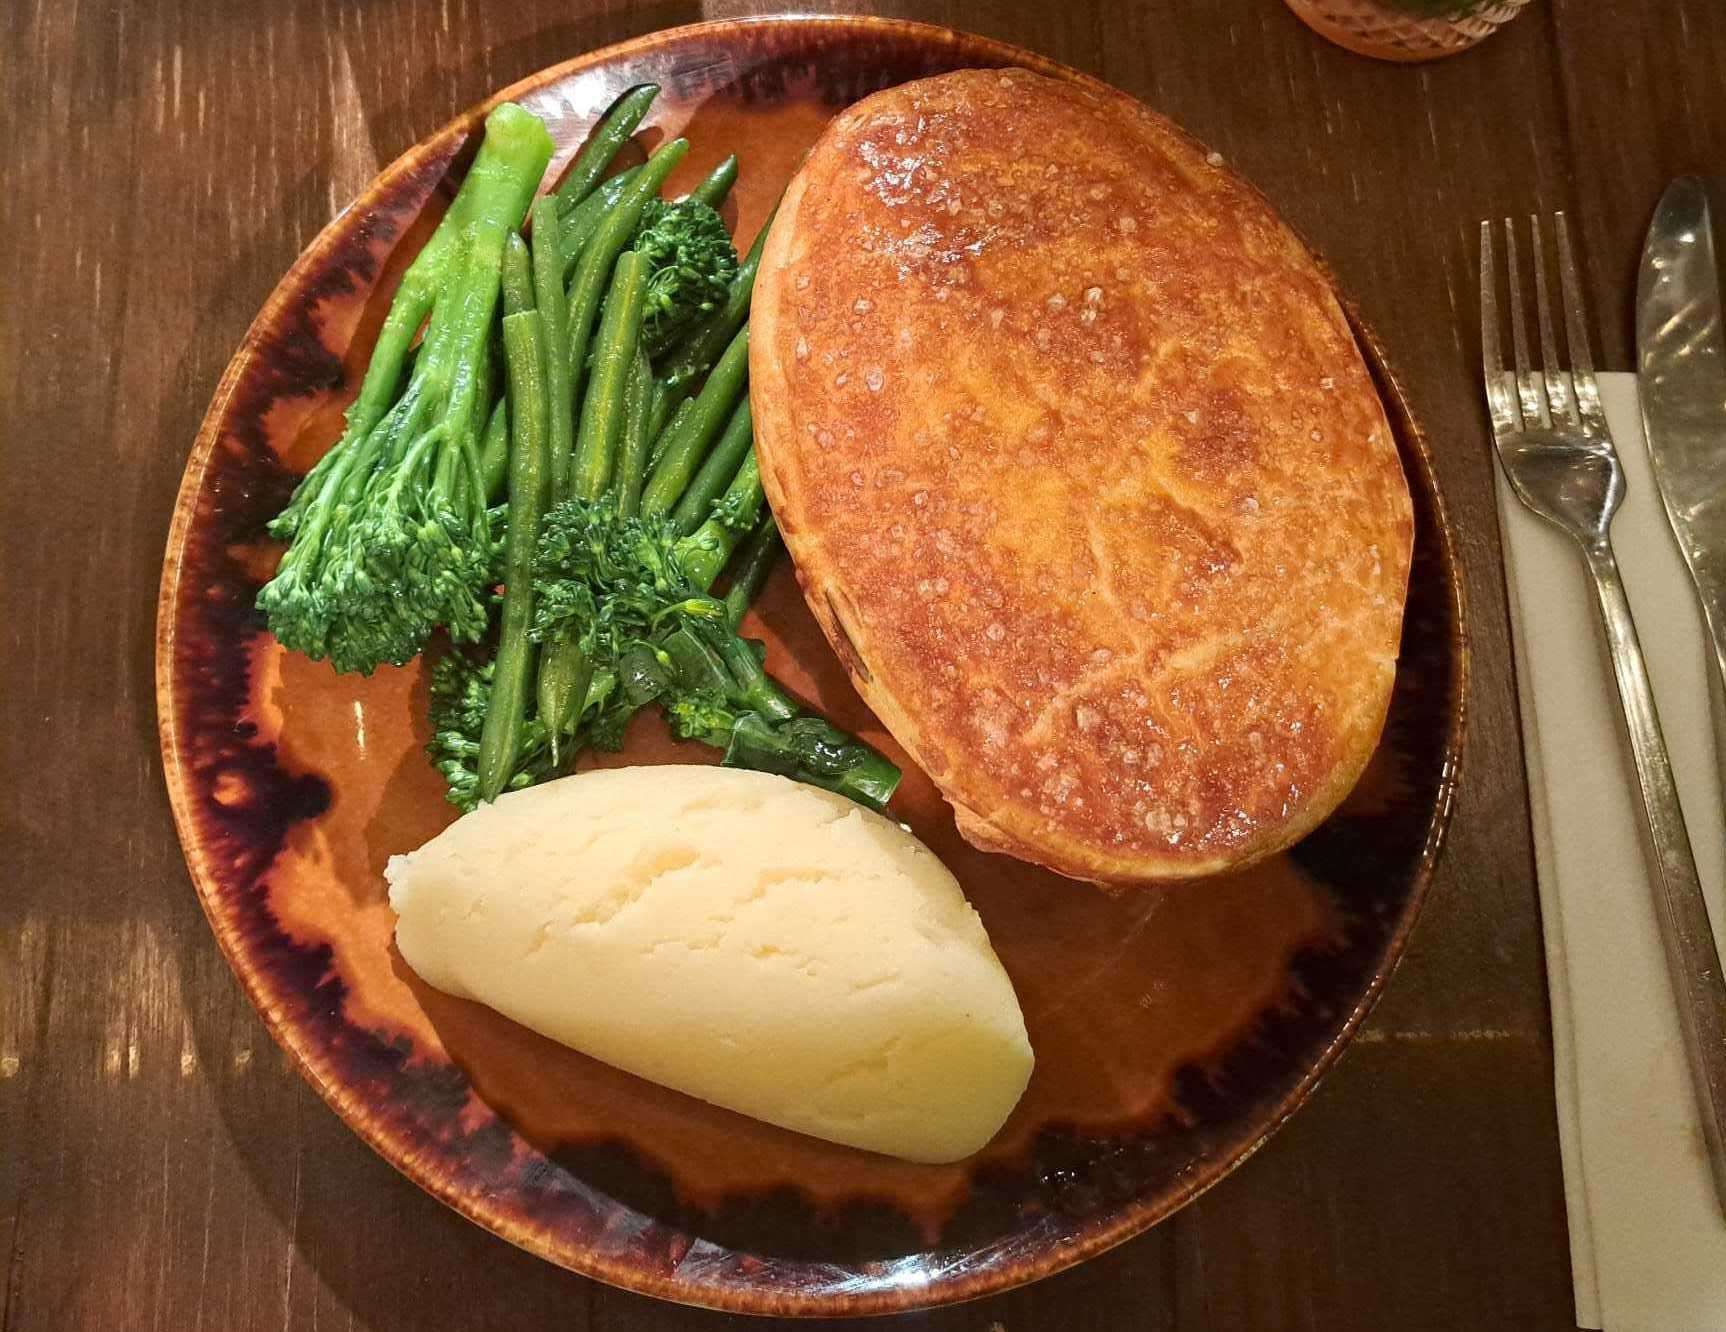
{"x": 763, "y": 945}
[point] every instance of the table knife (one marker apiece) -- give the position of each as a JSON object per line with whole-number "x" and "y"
{"x": 1681, "y": 381}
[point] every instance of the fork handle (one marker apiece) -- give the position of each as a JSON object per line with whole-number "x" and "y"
{"x": 1692, "y": 961}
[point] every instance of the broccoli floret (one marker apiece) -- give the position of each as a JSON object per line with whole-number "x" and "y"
{"x": 691, "y": 262}
{"x": 460, "y": 691}
{"x": 390, "y": 534}
{"x": 610, "y": 582}
{"x": 619, "y": 586}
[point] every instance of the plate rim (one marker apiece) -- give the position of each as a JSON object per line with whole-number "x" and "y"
{"x": 1129, "y": 1219}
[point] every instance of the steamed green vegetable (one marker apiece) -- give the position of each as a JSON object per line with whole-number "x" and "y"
{"x": 627, "y": 492}
{"x": 614, "y": 131}
{"x": 610, "y": 239}
{"x": 547, "y": 268}
{"x": 494, "y": 452}
{"x": 713, "y": 190}
{"x": 390, "y": 538}
{"x": 583, "y": 220}
{"x": 632, "y": 449}
{"x": 527, "y": 357}
{"x": 691, "y": 260}
{"x": 751, "y": 566}
{"x": 461, "y": 690}
{"x": 621, "y": 589}
{"x": 691, "y": 433}
{"x": 704, "y": 552}
{"x": 602, "y": 409}
{"x": 716, "y": 471}
{"x": 704, "y": 342}
{"x": 565, "y": 671}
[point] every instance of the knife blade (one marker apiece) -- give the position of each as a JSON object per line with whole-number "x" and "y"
{"x": 1681, "y": 381}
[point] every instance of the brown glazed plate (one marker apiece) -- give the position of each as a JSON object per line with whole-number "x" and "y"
{"x": 1174, "y": 1030}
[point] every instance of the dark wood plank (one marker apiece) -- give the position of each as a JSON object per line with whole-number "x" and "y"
{"x": 165, "y": 161}
{"x": 1645, "y": 97}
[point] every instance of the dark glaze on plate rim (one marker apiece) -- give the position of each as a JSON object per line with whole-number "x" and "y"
{"x": 235, "y": 807}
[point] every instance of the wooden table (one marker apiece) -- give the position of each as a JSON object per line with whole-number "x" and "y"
{"x": 161, "y": 1167}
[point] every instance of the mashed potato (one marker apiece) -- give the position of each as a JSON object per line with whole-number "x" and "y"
{"x": 760, "y": 944}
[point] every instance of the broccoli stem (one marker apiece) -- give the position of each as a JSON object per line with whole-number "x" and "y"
{"x": 494, "y": 452}
{"x": 395, "y": 540}
{"x": 751, "y": 685}
{"x": 526, "y": 358}
{"x": 462, "y": 361}
{"x": 715, "y": 690}
{"x": 751, "y": 567}
{"x": 480, "y": 192}
{"x": 632, "y": 449}
{"x": 548, "y": 297}
{"x": 810, "y": 750}
{"x": 614, "y": 131}
{"x": 705, "y": 551}
{"x": 609, "y": 240}
{"x": 712, "y": 191}
{"x": 691, "y": 357}
{"x": 697, "y": 668}
{"x": 684, "y": 449}
{"x": 578, "y": 227}
{"x": 716, "y": 471}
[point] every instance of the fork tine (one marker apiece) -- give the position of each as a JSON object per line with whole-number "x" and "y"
{"x": 1527, "y": 390}
{"x": 1576, "y": 334}
{"x": 1558, "y": 399}
{"x": 1499, "y": 399}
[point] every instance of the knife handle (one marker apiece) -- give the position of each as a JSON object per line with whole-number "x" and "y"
{"x": 1692, "y": 962}
{"x": 1716, "y": 668}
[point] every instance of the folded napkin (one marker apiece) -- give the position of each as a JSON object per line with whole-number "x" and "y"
{"x": 1647, "y": 1238}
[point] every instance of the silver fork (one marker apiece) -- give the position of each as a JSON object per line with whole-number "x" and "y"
{"x": 1554, "y": 447}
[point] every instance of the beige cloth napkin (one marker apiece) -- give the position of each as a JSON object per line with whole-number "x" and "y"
{"x": 1647, "y": 1239}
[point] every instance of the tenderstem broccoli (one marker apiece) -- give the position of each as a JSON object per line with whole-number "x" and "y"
{"x": 389, "y": 534}
{"x": 615, "y": 536}
{"x": 691, "y": 261}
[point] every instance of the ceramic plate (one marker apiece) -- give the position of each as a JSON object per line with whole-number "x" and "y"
{"x": 1174, "y": 1030}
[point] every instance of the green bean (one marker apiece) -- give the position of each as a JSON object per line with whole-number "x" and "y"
{"x": 705, "y": 551}
{"x": 632, "y": 451}
{"x": 713, "y": 190}
{"x": 691, "y": 357}
{"x": 494, "y": 452}
{"x": 685, "y": 449}
{"x": 564, "y": 675}
{"x": 716, "y": 471}
{"x": 517, "y": 276}
{"x": 565, "y": 671}
{"x": 750, "y": 568}
{"x": 607, "y": 141}
{"x": 506, "y": 709}
{"x": 663, "y": 435}
{"x": 658, "y": 409}
{"x": 548, "y": 294}
{"x": 578, "y": 228}
{"x": 602, "y": 410}
{"x": 593, "y": 272}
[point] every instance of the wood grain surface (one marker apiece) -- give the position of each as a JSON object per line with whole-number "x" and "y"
{"x": 163, "y": 161}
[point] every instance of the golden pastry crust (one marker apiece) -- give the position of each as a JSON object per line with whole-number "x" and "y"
{"x": 1083, "y": 474}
